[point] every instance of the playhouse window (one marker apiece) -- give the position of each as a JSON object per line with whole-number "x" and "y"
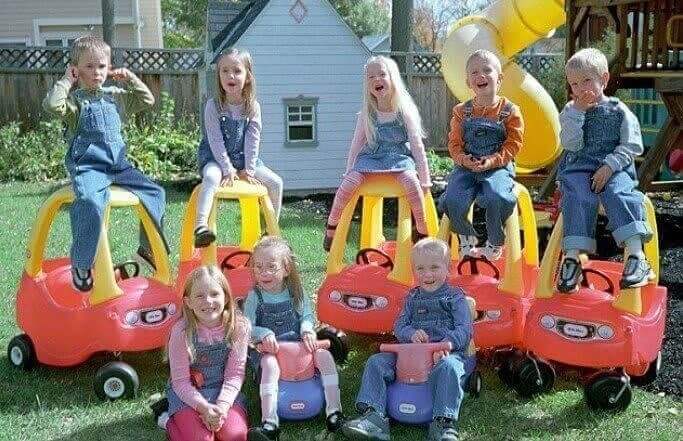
{"x": 301, "y": 122}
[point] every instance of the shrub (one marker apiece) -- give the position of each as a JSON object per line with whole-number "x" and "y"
{"x": 164, "y": 148}
{"x": 438, "y": 165}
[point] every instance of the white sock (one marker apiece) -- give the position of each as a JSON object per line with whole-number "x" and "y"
{"x": 634, "y": 246}
{"x": 269, "y": 397}
{"x": 332, "y": 396}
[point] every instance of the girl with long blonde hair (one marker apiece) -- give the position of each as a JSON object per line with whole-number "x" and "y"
{"x": 388, "y": 138}
{"x": 229, "y": 149}
{"x": 207, "y": 353}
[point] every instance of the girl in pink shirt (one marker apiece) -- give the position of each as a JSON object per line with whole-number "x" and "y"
{"x": 388, "y": 138}
{"x": 207, "y": 352}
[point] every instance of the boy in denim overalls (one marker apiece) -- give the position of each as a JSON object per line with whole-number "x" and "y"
{"x": 96, "y": 157}
{"x": 600, "y": 136}
{"x": 433, "y": 312}
{"x": 486, "y": 134}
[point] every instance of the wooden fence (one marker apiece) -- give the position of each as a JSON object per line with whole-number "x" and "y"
{"x": 26, "y": 75}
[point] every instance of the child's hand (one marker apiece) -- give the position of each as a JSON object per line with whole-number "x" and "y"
{"x": 211, "y": 415}
{"x": 243, "y": 175}
{"x": 483, "y": 164}
{"x": 269, "y": 344}
{"x": 470, "y": 162}
{"x": 600, "y": 178}
{"x": 121, "y": 74}
{"x": 438, "y": 355}
{"x": 420, "y": 337}
{"x": 309, "y": 338}
{"x": 585, "y": 100}
{"x": 229, "y": 178}
{"x": 71, "y": 74}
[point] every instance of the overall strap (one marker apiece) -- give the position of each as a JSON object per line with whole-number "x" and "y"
{"x": 505, "y": 112}
{"x": 468, "y": 109}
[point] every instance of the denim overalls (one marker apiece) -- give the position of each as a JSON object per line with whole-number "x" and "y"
{"x": 282, "y": 318}
{"x": 622, "y": 202}
{"x": 389, "y": 152}
{"x": 95, "y": 160}
{"x": 431, "y": 313}
{"x": 210, "y": 360}
{"x": 492, "y": 189}
{"x": 233, "y": 130}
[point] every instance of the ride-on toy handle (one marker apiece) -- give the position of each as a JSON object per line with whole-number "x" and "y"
{"x": 414, "y": 361}
{"x": 295, "y": 362}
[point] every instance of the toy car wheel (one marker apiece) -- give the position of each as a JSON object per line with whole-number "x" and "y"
{"x": 474, "y": 384}
{"x": 608, "y": 392}
{"x": 651, "y": 374}
{"x": 339, "y": 342}
{"x": 533, "y": 377}
{"x": 504, "y": 367}
{"x": 21, "y": 353}
{"x": 116, "y": 380}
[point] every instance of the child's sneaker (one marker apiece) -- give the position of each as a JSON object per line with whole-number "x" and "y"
{"x": 265, "y": 432}
{"x": 570, "y": 275}
{"x": 370, "y": 426}
{"x": 203, "y": 237}
{"x": 467, "y": 246}
{"x": 443, "y": 429}
{"x": 81, "y": 279}
{"x": 637, "y": 272}
{"x": 490, "y": 252}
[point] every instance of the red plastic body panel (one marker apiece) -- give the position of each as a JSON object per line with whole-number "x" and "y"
{"x": 574, "y": 339}
{"x": 66, "y": 330}
{"x": 414, "y": 361}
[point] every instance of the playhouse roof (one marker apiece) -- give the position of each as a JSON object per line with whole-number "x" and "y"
{"x": 238, "y": 15}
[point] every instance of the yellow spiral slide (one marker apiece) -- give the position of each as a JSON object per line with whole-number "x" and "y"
{"x": 505, "y": 28}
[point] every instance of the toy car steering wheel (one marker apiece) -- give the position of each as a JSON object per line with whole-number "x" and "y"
{"x": 362, "y": 258}
{"x": 122, "y": 268}
{"x": 474, "y": 270}
{"x": 227, "y": 265}
{"x": 603, "y": 276}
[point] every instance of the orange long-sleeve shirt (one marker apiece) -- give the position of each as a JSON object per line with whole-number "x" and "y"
{"x": 514, "y": 125}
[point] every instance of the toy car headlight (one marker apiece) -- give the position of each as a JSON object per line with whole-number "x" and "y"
{"x": 605, "y": 332}
{"x": 131, "y": 318}
{"x": 171, "y": 308}
{"x": 381, "y": 302}
{"x": 548, "y": 321}
{"x": 335, "y": 296}
{"x": 493, "y": 314}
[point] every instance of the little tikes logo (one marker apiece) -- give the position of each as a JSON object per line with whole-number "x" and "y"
{"x": 297, "y": 406}
{"x": 407, "y": 408}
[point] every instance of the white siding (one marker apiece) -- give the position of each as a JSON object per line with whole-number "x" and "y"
{"x": 322, "y": 58}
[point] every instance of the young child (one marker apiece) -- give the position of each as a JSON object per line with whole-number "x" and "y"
{"x": 600, "y": 136}
{"x": 278, "y": 308}
{"x": 96, "y": 157}
{"x": 388, "y": 138}
{"x": 486, "y": 134}
{"x": 207, "y": 353}
{"x": 433, "y": 312}
{"x": 232, "y": 133}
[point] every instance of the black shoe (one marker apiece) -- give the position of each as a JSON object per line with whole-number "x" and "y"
{"x": 265, "y": 432}
{"x": 334, "y": 421}
{"x": 146, "y": 257}
{"x": 327, "y": 238}
{"x": 570, "y": 275}
{"x": 637, "y": 272}
{"x": 81, "y": 279}
{"x": 203, "y": 237}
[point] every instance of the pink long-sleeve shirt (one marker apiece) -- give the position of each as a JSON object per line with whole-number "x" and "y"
{"x": 252, "y": 135}
{"x": 233, "y": 375}
{"x": 417, "y": 147}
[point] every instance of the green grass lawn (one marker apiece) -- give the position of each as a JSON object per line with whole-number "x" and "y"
{"x": 60, "y": 404}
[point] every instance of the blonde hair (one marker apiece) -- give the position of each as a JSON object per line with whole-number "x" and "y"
{"x": 284, "y": 252}
{"x": 229, "y": 313}
{"x": 87, "y": 44}
{"x": 401, "y": 101}
{"x": 249, "y": 90}
{"x": 588, "y": 60}
{"x": 431, "y": 247}
{"x": 484, "y": 55}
